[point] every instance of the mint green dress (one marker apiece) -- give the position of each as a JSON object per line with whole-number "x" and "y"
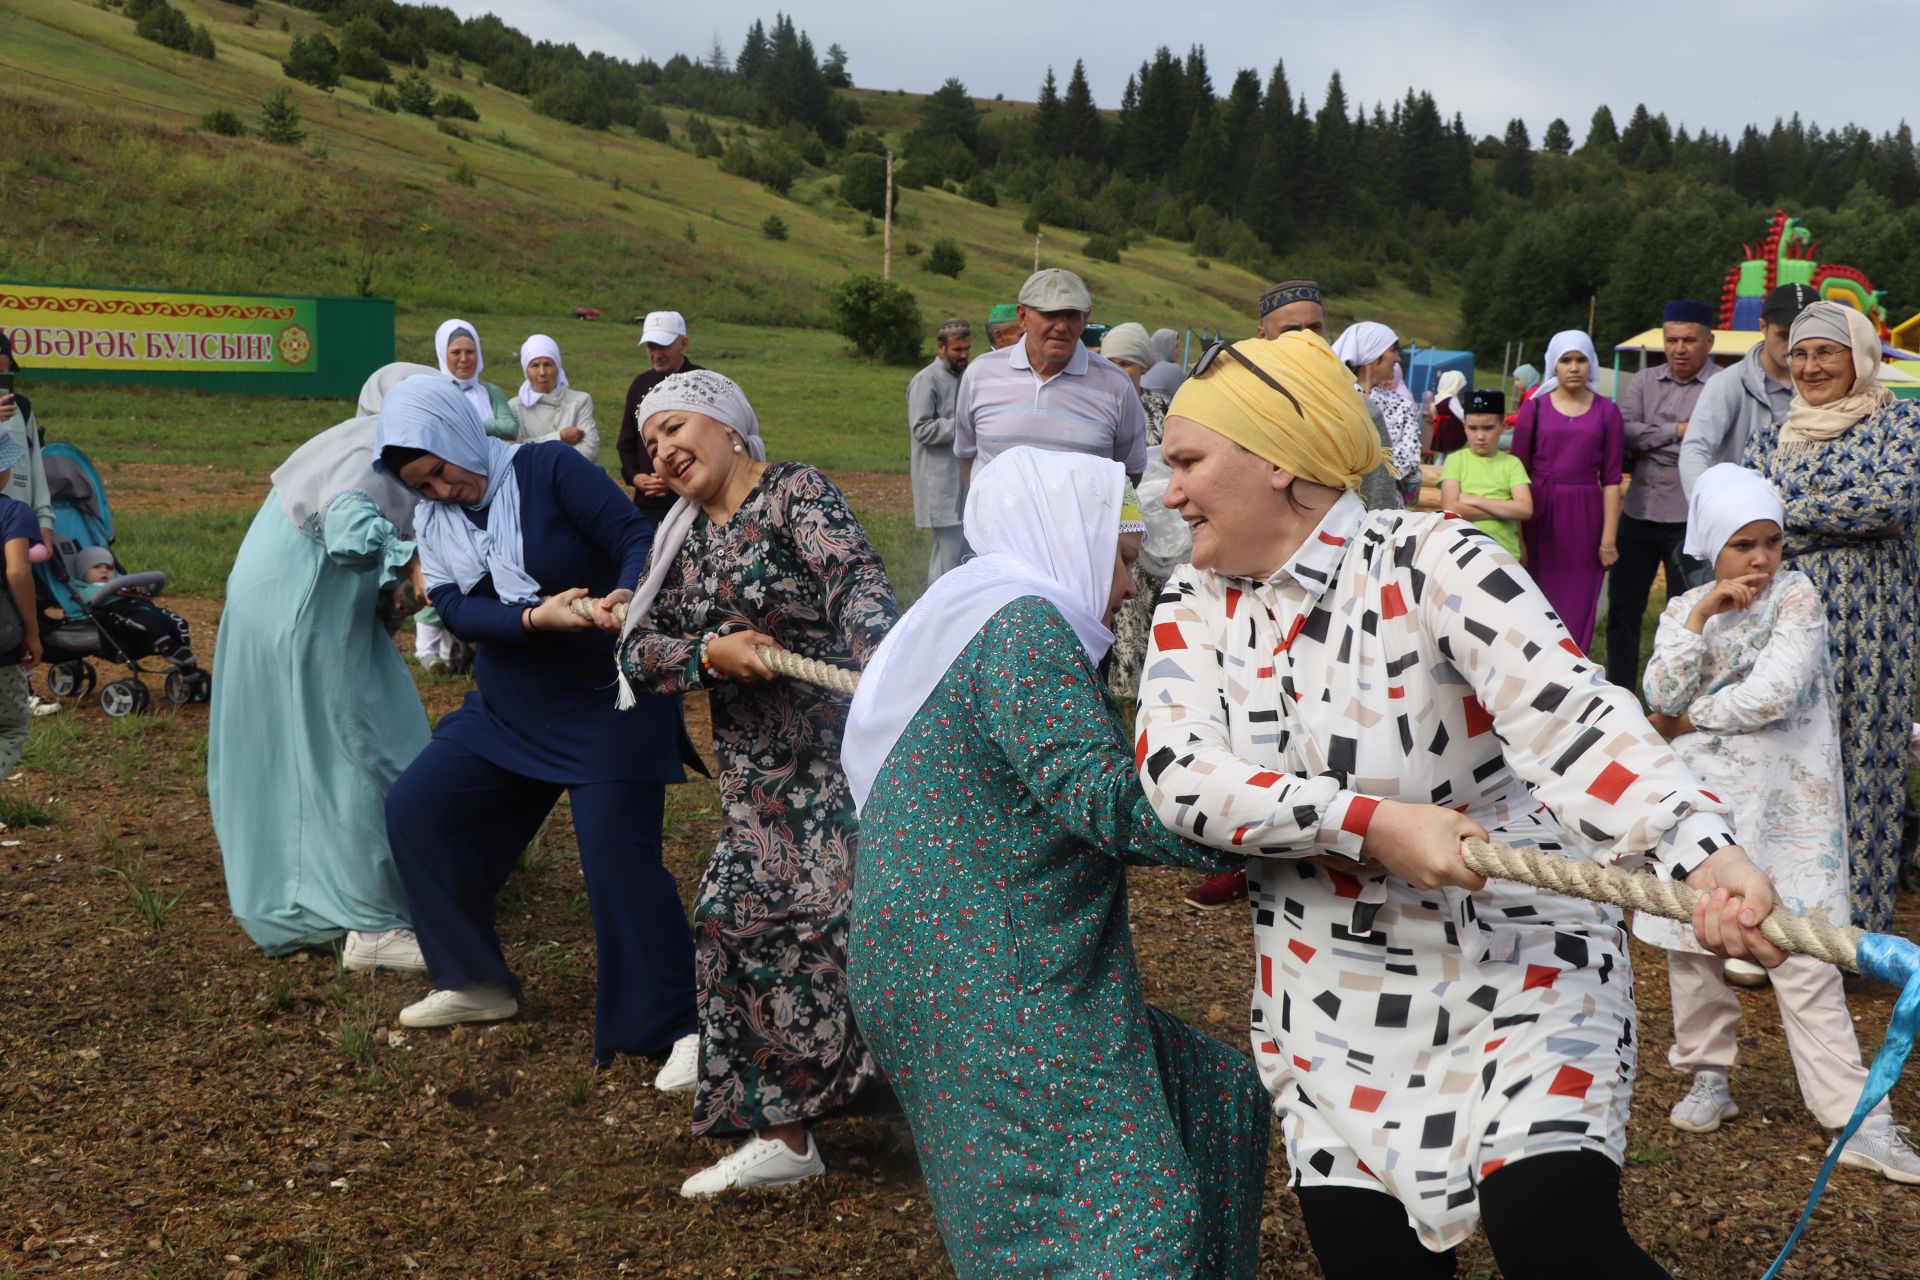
{"x": 314, "y": 714}
{"x": 1065, "y": 1126}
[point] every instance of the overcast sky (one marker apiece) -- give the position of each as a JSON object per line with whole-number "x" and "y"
{"x": 1721, "y": 64}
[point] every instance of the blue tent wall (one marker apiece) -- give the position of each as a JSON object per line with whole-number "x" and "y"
{"x": 1424, "y": 367}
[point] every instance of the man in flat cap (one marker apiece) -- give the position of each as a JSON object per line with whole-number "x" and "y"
{"x": 1657, "y": 407}
{"x": 1756, "y": 390}
{"x": 937, "y": 490}
{"x": 1003, "y": 326}
{"x": 1048, "y": 390}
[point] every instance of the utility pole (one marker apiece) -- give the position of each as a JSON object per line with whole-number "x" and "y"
{"x": 886, "y": 234}
{"x": 1036, "y": 250}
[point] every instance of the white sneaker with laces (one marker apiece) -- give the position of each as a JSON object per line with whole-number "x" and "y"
{"x": 1708, "y": 1103}
{"x": 1884, "y": 1147}
{"x": 683, "y": 1067}
{"x": 388, "y": 949}
{"x": 39, "y": 706}
{"x": 757, "y": 1162}
{"x": 475, "y": 1002}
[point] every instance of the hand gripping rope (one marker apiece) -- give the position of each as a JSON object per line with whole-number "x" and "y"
{"x": 1874, "y": 955}
{"x": 783, "y": 662}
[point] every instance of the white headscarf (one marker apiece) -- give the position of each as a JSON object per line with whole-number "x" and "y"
{"x": 532, "y": 349}
{"x": 432, "y": 414}
{"x": 1363, "y": 342}
{"x": 720, "y": 398}
{"x": 1726, "y": 499}
{"x": 1559, "y": 345}
{"x": 1166, "y": 345}
{"x": 469, "y": 387}
{"x": 1043, "y": 524}
{"x": 1447, "y": 391}
{"x": 341, "y": 460}
{"x": 1842, "y": 325}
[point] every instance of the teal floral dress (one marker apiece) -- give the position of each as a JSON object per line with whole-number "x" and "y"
{"x": 1065, "y": 1126}
{"x": 1853, "y": 504}
{"x": 777, "y": 1039}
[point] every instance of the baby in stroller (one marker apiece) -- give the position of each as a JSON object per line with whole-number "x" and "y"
{"x": 141, "y": 626}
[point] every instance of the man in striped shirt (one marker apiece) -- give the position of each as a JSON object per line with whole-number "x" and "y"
{"x": 1048, "y": 390}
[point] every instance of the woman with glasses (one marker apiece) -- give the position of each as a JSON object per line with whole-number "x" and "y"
{"x": 1847, "y": 463}
{"x": 1343, "y": 697}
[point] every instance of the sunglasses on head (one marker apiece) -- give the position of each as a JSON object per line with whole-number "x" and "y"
{"x": 1217, "y": 349}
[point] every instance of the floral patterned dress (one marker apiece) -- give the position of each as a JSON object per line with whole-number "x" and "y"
{"x": 1853, "y": 504}
{"x": 1064, "y": 1125}
{"x": 1130, "y": 624}
{"x": 777, "y": 1040}
{"x": 1414, "y": 1041}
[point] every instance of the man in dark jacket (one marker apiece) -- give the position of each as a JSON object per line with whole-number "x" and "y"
{"x": 664, "y": 335}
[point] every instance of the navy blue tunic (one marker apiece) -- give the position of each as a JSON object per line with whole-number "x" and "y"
{"x": 544, "y": 708}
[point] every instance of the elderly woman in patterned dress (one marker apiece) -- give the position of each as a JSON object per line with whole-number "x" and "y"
{"x": 1847, "y": 464}
{"x": 1065, "y": 1126}
{"x": 1343, "y": 697}
{"x": 759, "y": 554}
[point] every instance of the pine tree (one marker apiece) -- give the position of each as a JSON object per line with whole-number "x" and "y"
{"x": 1558, "y": 139}
{"x": 1514, "y": 170}
{"x": 949, "y": 112}
{"x": 753, "y": 53}
{"x": 1902, "y": 172}
{"x": 1602, "y": 135}
{"x": 1080, "y": 127}
{"x": 1333, "y": 161}
{"x": 1634, "y": 138}
{"x": 280, "y": 119}
{"x": 717, "y": 61}
{"x": 1046, "y": 118}
{"x": 1237, "y": 124}
{"x": 1157, "y": 133}
{"x": 835, "y": 68}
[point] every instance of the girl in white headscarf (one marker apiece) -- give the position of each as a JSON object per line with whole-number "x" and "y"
{"x": 1739, "y": 681}
{"x": 548, "y": 407}
{"x": 1372, "y": 351}
{"x": 1847, "y": 464}
{"x": 756, "y": 553}
{"x": 992, "y": 963}
{"x": 314, "y": 713}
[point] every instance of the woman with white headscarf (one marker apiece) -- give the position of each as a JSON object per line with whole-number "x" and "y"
{"x": 548, "y": 407}
{"x": 314, "y": 714}
{"x": 1573, "y": 443}
{"x": 1372, "y": 351}
{"x": 992, "y": 963}
{"x": 1847, "y": 464}
{"x": 509, "y": 539}
{"x": 1449, "y": 415}
{"x": 756, "y": 553}
{"x": 1740, "y": 680}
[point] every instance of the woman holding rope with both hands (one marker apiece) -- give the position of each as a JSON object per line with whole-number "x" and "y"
{"x": 756, "y": 553}
{"x": 1344, "y": 696}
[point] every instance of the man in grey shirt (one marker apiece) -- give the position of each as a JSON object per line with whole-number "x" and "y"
{"x": 1756, "y": 390}
{"x": 937, "y": 490}
{"x": 1047, "y": 390}
{"x": 1657, "y": 408}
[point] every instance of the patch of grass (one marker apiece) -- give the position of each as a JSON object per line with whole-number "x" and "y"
{"x": 579, "y": 1090}
{"x": 54, "y": 746}
{"x": 356, "y": 1041}
{"x": 149, "y": 903}
{"x": 18, "y": 809}
{"x": 1646, "y": 1151}
{"x": 280, "y": 987}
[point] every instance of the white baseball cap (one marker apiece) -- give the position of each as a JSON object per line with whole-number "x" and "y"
{"x": 662, "y": 328}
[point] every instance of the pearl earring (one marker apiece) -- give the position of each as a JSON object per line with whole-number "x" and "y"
{"x": 738, "y": 447}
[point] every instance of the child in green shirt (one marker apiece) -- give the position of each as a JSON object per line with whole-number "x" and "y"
{"x": 1483, "y": 482}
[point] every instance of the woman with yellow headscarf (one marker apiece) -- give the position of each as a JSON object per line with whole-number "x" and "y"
{"x": 1343, "y": 696}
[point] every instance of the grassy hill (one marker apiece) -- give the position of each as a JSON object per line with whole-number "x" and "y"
{"x": 510, "y": 222}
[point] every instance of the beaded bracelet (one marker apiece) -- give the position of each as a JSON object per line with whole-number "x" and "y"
{"x": 707, "y": 672}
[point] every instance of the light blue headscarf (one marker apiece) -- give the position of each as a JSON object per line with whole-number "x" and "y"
{"x": 430, "y": 413}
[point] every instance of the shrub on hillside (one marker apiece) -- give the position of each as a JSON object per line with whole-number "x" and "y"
{"x": 202, "y": 46}
{"x": 863, "y": 183}
{"x": 360, "y": 56}
{"x": 769, "y": 163}
{"x": 416, "y": 94}
{"x": 454, "y": 106}
{"x": 774, "y": 228}
{"x": 280, "y": 119}
{"x": 651, "y": 122}
{"x": 160, "y": 22}
{"x": 576, "y": 101}
{"x": 880, "y": 318}
{"x": 946, "y": 258}
{"x": 453, "y": 130}
{"x": 313, "y": 60}
{"x": 1101, "y": 248}
{"x": 979, "y": 189}
{"x": 223, "y": 122}
{"x": 706, "y": 143}
{"x": 382, "y": 97}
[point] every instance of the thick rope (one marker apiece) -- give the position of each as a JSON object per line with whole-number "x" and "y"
{"x": 1655, "y": 895}
{"x": 782, "y": 662}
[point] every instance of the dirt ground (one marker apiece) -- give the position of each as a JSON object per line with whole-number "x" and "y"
{"x": 174, "y": 1104}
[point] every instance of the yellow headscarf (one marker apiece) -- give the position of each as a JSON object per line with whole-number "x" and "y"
{"x": 1329, "y": 439}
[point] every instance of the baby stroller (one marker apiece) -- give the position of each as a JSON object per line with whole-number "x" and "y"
{"x": 86, "y": 631}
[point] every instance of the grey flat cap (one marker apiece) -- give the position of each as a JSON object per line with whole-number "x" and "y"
{"x": 1055, "y": 289}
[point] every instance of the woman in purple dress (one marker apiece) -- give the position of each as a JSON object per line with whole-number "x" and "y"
{"x": 1572, "y": 441}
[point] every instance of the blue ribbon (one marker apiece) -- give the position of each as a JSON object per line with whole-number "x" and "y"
{"x": 1888, "y": 959}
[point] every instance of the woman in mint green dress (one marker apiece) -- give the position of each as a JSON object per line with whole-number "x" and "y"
{"x": 314, "y": 713}
{"x": 1064, "y": 1125}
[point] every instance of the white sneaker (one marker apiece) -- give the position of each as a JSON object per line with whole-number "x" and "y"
{"x": 1708, "y": 1103}
{"x": 757, "y": 1162}
{"x": 475, "y": 1002}
{"x": 683, "y": 1067}
{"x": 39, "y": 706}
{"x": 1883, "y": 1146}
{"x": 390, "y": 949}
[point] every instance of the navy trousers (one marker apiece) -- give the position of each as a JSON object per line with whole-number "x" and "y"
{"x": 458, "y": 823}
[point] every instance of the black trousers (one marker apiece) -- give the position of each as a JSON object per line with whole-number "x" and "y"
{"x": 1645, "y": 547}
{"x": 1549, "y": 1217}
